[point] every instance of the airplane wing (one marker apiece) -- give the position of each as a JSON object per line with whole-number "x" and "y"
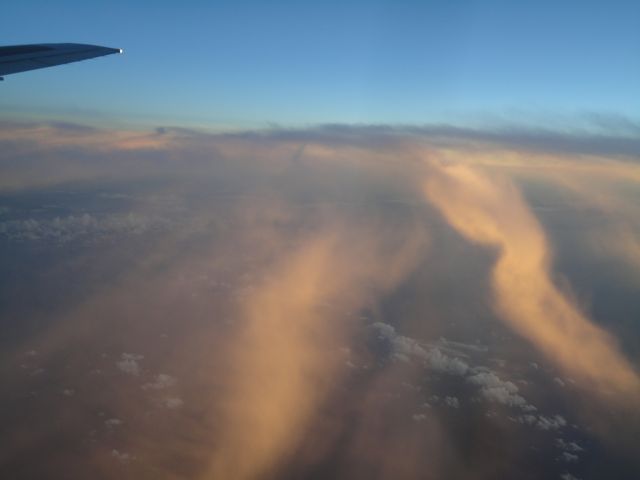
{"x": 20, "y": 58}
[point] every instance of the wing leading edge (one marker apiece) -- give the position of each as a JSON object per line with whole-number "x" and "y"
{"x": 21, "y": 58}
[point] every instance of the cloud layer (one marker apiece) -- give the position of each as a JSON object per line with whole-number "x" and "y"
{"x": 287, "y": 294}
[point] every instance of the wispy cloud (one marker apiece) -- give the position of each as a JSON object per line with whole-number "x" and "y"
{"x": 284, "y": 358}
{"x": 489, "y": 210}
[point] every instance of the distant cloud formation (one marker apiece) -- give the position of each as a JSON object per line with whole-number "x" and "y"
{"x": 404, "y": 348}
{"x": 61, "y": 230}
{"x": 490, "y": 211}
{"x": 129, "y": 363}
{"x": 494, "y": 389}
{"x": 543, "y": 422}
{"x": 335, "y": 301}
{"x": 490, "y": 386}
{"x": 452, "y": 402}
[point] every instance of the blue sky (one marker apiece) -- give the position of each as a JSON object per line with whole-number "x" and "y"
{"x": 246, "y": 64}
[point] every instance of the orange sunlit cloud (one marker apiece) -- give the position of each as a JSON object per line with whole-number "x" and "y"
{"x": 489, "y": 210}
{"x": 285, "y": 359}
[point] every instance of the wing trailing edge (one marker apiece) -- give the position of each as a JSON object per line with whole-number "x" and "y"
{"x": 22, "y": 58}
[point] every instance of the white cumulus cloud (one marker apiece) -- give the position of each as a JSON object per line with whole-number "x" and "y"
{"x": 452, "y": 402}
{"x": 128, "y": 363}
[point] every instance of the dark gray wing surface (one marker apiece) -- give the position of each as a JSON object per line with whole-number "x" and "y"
{"x": 21, "y": 58}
